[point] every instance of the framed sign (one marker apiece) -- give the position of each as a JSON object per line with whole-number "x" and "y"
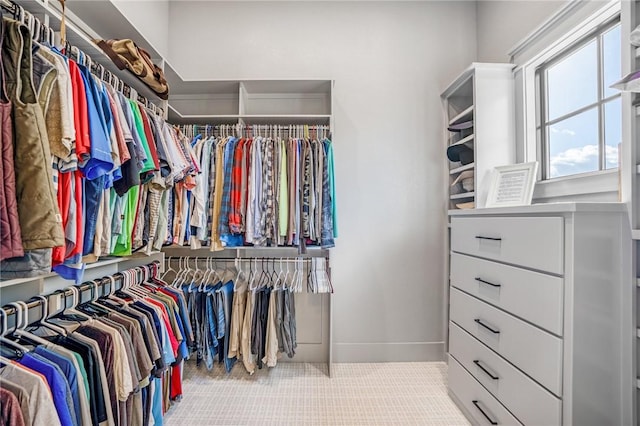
{"x": 512, "y": 185}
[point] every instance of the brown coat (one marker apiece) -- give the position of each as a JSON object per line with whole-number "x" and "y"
{"x": 40, "y": 220}
{"x": 10, "y": 237}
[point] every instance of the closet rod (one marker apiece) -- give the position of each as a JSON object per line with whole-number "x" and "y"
{"x": 241, "y": 259}
{"x": 88, "y": 285}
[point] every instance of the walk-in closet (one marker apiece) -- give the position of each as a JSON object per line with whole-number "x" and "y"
{"x": 319, "y": 212}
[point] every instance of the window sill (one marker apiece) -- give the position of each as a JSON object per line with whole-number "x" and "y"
{"x": 596, "y": 186}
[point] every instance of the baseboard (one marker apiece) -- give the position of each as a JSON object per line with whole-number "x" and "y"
{"x": 389, "y": 352}
{"x": 308, "y": 352}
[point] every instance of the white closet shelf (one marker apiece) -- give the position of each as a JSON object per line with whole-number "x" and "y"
{"x": 461, "y": 169}
{"x": 281, "y": 119}
{"x": 467, "y": 113}
{"x": 470, "y": 194}
{"x": 463, "y": 141}
{"x": 285, "y": 119}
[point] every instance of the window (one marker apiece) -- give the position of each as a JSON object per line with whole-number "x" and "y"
{"x": 579, "y": 118}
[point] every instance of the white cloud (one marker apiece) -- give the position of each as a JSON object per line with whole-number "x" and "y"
{"x": 612, "y": 155}
{"x": 579, "y": 160}
{"x": 574, "y": 160}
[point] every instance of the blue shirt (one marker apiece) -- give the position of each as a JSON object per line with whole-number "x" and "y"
{"x": 100, "y": 162}
{"x": 69, "y": 371}
{"x": 57, "y": 383}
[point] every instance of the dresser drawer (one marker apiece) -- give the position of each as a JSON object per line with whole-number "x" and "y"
{"x": 534, "y": 242}
{"x": 484, "y": 408}
{"x": 532, "y": 350}
{"x": 529, "y": 295}
{"x": 526, "y": 399}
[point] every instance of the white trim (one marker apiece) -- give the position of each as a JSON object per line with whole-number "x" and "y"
{"x": 605, "y": 181}
{"x": 578, "y": 184}
{"x": 543, "y": 28}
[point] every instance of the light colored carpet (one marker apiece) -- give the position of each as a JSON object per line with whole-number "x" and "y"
{"x": 303, "y": 394}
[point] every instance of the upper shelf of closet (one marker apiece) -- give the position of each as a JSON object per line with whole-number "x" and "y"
{"x": 190, "y": 101}
{"x": 80, "y": 34}
{"x": 249, "y": 101}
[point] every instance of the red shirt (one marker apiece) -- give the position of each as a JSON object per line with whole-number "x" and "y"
{"x": 80, "y": 114}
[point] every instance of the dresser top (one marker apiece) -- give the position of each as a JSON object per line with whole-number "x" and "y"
{"x": 545, "y": 208}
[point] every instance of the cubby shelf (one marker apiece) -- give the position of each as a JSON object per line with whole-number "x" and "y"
{"x": 461, "y": 169}
{"x": 466, "y": 140}
{"x": 466, "y": 114}
{"x": 470, "y": 194}
{"x": 478, "y": 94}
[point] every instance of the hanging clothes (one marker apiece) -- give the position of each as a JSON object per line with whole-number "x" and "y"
{"x": 40, "y": 228}
{"x": 250, "y": 318}
{"x": 10, "y": 237}
{"x": 83, "y": 153}
{"x": 120, "y": 362}
{"x": 259, "y": 191}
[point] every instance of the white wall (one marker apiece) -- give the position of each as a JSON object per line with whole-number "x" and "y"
{"x": 151, "y": 19}
{"x": 502, "y": 24}
{"x": 390, "y": 61}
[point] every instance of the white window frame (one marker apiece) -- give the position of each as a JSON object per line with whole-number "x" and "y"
{"x": 599, "y": 185}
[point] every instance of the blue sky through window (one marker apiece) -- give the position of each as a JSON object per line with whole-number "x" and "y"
{"x": 572, "y": 83}
{"x": 573, "y": 145}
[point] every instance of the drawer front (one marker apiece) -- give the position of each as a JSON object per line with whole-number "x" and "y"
{"x": 477, "y": 402}
{"x": 526, "y": 399}
{"x": 532, "y": 296}
{"x": 534, "y": 242}
{"x": 532, "y": 350}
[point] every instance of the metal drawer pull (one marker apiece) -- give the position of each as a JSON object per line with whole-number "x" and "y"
{"x": 480, "y": 237}
{"x": 480, "y": 280}
{"x": 487, "y": 372}
{"x": 493, "y": 422}
{"x": 494, "y": 331}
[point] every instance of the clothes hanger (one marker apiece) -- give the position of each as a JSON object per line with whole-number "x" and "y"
{"x": 22, "y": 332}
{"x": 109, "y": 297}
{"x": 238, "y": 264}
{"x": 18, "y": 354}
{"x": 191, "y": 273}
{"x": 18, "y": 323}
{"x": 92, "y": 307}
{"x": 134, "y": 284}
{"x": 252, "y": 274}
{"x": 177, "y": 280}
{"x": 45, "y": 316}
{"x": 264, "y": 275}
{"x": 72, "y": 311}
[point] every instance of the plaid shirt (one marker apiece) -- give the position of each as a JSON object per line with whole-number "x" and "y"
{"x": 306, "y": 188}
{"x": 236, "y": 219}
{"x": 269, "y": 192}
{"x": 225, "y": 210}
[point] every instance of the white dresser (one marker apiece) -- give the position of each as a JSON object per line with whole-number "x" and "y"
{"x": 539, "y": 305}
